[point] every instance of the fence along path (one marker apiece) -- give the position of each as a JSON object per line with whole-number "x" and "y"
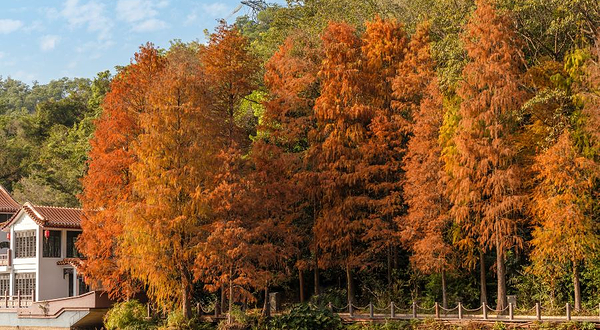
{"x": 484, "y": 312}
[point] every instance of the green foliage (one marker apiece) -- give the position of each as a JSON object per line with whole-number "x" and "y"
{"x": 302, "y": 317}
{"x": 335, "y": 296}
{"x": 176, "y": 321}
{"x": 129, "y": 315}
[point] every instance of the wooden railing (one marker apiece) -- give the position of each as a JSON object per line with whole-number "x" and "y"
{"x": 484, "y": 312}
{"x": 5, "y": 258}
{"x": 18, "y": 301}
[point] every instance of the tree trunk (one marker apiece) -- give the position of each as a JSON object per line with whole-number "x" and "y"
{"x": 350, "y": 282}
{"x": 501, "y": 274}
{"x": 186, "y": 304}
{"x": 267, "y": 306}
{"x": 577, "y": 287}
{"x": 218, "y": 303}
{"x": 482, "y": 282}
{"x": 316, "y": 273}
{"x": 229, "y": 317}
{"x": 444, "y": 295}
{"x": 222, "y": 306}
{"x": 389, "y": 267}
{"x": 301, "y": 284}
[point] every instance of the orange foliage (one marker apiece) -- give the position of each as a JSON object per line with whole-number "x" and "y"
{"x": 107, "y": 184}
{"x": 427, "y": 218}
{"x": 486, "y": 185}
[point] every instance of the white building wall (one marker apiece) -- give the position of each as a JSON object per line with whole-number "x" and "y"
{"x": 23, "y": 265}
{"x": 52, "y": 283}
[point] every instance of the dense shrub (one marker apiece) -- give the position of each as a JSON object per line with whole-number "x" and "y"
{"x": 302, "y": 317}
{"x": 129, "y": 315}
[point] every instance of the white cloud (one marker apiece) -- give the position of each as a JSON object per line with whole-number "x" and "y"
{"x": 90, "y": 14}
{"x": 141, "y": 14}
{"x": 48, "y": 42}
{"x": 9, "y": 25}
{"x": 2, "y": 54}
{"x": 149, "y": 25}
{"x": 217, "y": 9}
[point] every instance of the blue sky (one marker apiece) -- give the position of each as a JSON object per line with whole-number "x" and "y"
{"x": 48, "y": 39}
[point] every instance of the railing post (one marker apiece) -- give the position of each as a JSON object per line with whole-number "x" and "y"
{"x": 392, "y": 311}
{"x": 216, "y": 310}
{"x": 371, "y": 310}
{"x": 19, "y": 298}
{"x": 484, "y": 309}
{"x": 437, "y": 310}
{"x": 568, "y": 308}
{"x": 148, "y": 312}
{"x": 198, "y": 309}
{"x": 330, "y": 305}
{"x": 32, "y": 296}
{"x": 350, "y": 309}
{"x": 538, "y": 311}
{"x": 414, "y": 309}
{"x": 459, "y": 311}
{"x": 6, "y": 298}
{"x": 511, "y": 315}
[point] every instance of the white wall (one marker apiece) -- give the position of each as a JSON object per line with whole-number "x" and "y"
{"x": 24, "y": 265}
{"x": 50, "y": 281}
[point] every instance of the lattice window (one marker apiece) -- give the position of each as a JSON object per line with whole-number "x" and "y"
{"x": 4, "y": 284}
{"x": 52, "y": 244}
{"x": 25, "y": 283}
{"x": 71, "y": 248}
{"x": 25, "y": 244}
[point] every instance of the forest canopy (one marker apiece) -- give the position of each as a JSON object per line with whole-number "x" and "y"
{"x": 397, "y": 150}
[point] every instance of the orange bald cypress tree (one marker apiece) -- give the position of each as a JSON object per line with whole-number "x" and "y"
{"x": 424, "y": 227}
{"x": 174, "y": 157}
{"x": 231, "y": 74}
{"x": 380, "y": 167}
{"x": 107, "y": 184}
{"x": 342, "y": 119}
{"x": 291, "y": 79}
{"x": 486, "y": 187}
{"x": 563, "y": 205}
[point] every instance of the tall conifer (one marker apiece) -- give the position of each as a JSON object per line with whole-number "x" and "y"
{"x": 486, "y": 185}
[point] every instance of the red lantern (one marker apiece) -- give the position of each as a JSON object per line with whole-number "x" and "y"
{"x": 46, "y": 234}
{"x": 8, "y": 236}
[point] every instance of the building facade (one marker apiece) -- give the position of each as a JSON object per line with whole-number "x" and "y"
{"x": 38, "y": 256}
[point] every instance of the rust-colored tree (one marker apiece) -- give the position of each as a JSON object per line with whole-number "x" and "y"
{"x": 342, "y": 120}
{"x": 427, "y": 220}
{"x": 174, "y": 157}
{"x": 486, "y": 185}
{"x": 291, "y": 79}
{"x": 107, "y": 184}
{"x": 563, "y": 205}
{"x": 231, "y": 71}
{"x": 380, "y": 166}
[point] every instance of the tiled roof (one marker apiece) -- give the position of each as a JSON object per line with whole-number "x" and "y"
{"x": 50, "y": 216}
{"x": 7, "y": 203}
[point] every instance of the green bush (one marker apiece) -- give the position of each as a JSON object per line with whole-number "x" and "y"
{"x": 129, "y": 315}
{"x": 176, "y": 321}
{"x": 302, "y": 317}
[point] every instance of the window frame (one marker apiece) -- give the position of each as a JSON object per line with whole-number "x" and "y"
{"x": 25, "y": 283}
{"x": 25, "y": 243}
{"x": 55, "y": 235}
{"x": 72, "y": 236}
